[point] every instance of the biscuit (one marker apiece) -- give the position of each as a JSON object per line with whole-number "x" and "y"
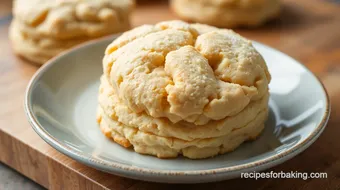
{"x": 67, "y": 19}
{"x": 42, "y": 29}
{"x": 182, "y": 89}
{"x": 226, "y": 13}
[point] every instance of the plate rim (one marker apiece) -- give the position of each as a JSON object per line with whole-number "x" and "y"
{"x": 120, "y": 168}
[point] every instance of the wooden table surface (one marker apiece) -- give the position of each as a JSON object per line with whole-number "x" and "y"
{"x": 308, "y": 30}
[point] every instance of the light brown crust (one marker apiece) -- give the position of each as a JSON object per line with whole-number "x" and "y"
{"x": 109, "y": 133}
{"x": 119, "y": 139}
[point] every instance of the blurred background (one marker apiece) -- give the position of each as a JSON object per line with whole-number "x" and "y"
{"x": 307, "y": 30}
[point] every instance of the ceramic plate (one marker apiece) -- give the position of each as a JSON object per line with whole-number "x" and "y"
{"x": 61, "y": 105}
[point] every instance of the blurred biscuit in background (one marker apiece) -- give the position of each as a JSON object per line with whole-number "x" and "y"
{"x": 42, "y": 29}
{"x": 227, "y": 13}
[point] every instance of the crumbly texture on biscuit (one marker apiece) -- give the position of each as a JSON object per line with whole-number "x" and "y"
{"x": 227, "y": 13}
{"x": 182, "y": 89}
{"x": 172, "y": 70}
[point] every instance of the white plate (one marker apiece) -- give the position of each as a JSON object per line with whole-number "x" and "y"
{"x": 61, "y": 105}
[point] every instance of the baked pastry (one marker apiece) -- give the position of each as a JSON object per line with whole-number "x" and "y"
{"x": 227, "y": 13}
{"x": 177, "y": 88}
{"x": 42, "y": 29}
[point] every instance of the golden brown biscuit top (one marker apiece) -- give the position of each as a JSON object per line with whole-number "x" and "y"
{"x": 175, "y": 70}
{"x": 70, "y": 18}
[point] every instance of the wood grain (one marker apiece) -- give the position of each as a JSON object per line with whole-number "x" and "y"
{"x": 308, "y": 30}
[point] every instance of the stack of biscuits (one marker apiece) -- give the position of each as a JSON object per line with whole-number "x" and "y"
{"x": 175, "y": 89}
{"x": 227, "y": 13}
{"x": 42, "y": 29}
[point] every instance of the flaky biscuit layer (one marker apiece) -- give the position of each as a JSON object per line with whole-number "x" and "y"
{"x": 168, "y": 147}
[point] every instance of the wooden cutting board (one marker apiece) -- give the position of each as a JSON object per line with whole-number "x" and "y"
{"x": 308, "y": 30}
